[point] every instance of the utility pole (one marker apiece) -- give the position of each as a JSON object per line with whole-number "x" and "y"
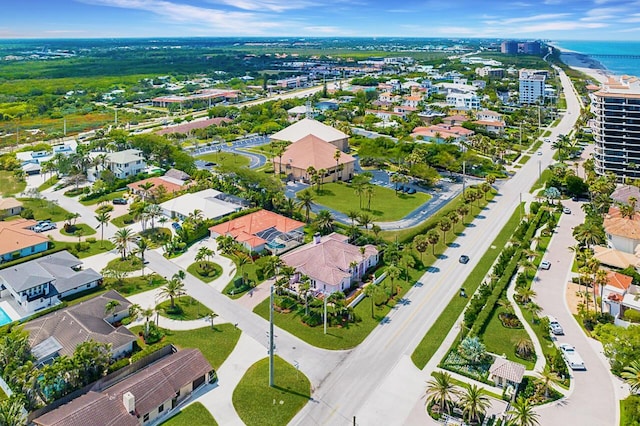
{"x": 271, "y": 338}
{"x": 464, "y": 166}
{"x": 116, "y": 118}
{"x": 539, "y": 169}
{"x": 64, "y": 127}
{"x": 521, "y": 133}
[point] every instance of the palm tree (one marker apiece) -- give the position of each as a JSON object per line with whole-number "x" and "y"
{"x": 111, "y": 306}
{"x": 522, "y": 413}
{"x": 103, "y": 219}
{"x": 364, "y": 219}
{"x": 444, "y": 225}
{"x": 353, "y": 215}
{"x": 393, "y": 272}
{"x": 172, "y": 289}
{"x": 143, "y": 246}
{"x": 601, "y": 281}
{"x": 121, "y": 239}
{"x": 305, "y": 201}
{"x": 152, "y": 211}
{"x": 524, "y": 294}
{"x": 147, "y": 314}
{"x": 421, "y": 244}
{"x": 474, "y": 403}
{"x": 631, "y": 374}
{"x": 324, "y": 221}
{"x": 433, "y": 237}
{"x": 145, "y": 189}
{"x": 242, "y": 259}
{"x": 11, "y": 412}
{"x": 371, "y": 291}
{"x": 524, "y": 347}
{"x": 134, "y": 311}
{"x": 369, "y": 192}
{"x": 548, "y": 376}
{"x": 203, "y": 256}
{"x": 440, "y": 391}
{"x": 336, "y": 156}
{"x": 588, "y": 233}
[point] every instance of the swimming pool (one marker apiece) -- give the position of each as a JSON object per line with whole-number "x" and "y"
{"x": 275, "y": 245}
{"x": 4, "y": 318}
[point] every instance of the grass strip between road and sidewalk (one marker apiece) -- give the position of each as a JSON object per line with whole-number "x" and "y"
{"x": 447, "y": 320}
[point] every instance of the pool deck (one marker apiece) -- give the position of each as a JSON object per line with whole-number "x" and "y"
{"x": 11, "y": 313}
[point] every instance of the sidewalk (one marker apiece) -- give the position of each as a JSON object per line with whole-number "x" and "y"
{"x": 254, "y": 297}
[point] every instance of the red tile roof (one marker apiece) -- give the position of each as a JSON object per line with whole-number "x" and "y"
{"x": 245, "y": 228}
{"x": 187, "y": 127}
{"x": 313, "y": 151}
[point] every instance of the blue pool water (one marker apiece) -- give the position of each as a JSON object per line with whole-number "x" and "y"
{"x": 4, "y": 318}
{"x": 275, "y": 245}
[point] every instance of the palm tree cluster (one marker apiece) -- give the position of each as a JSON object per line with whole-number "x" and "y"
{"x": 443, "y": 396}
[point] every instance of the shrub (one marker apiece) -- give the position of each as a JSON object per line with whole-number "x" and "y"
{"x": 509, "y": 320}
{"x": 91, "y": 240}
{"x": 118, "y": 365}
{"x": 632, "y": 316}
{"x": 472, "y": 349}
{"x": 27, "y": 213}
{"x": 148, "y": 350}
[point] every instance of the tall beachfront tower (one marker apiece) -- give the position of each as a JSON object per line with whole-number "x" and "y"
{"x": 616, "y": 107}
{"x": 532, "y": 86}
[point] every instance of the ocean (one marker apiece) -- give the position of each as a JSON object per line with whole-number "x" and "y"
{"x": 621, "y": 64}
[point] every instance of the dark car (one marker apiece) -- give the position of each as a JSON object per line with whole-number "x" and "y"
{"x": 464, "y": 259}
{"x": 176, "y": 226}
{"x": 119, "y": 201}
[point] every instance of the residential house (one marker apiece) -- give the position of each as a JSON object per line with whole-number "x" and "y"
{"x": 463, "y": 101}
{"x": 412, "y": 101}
{"x": 262, "y": 230}
{"x": 186, "y": 128}
{"x": 455, "y": 120}
{"x": 386, "y": 116}
{"x": 9, "y": 206}
{"x": 211, "y": 203}
{"x": 170, "y": 185}
{"x": 505, "y": 373}
{"x": 490, "y": 72}
{"x": 389, "y": 97}
{"x": 312, "y": 151}
{"x": 123, "y": 164}
{"x": 622, "y": 194}
{"x": 331, "y": 262}
{"x": 441, "y": 132}
{"x": 17, "y": 239}
{"x": 623, "y": 233}
{"x": 613, "y": 293}
{"x": 146, "y": 397}
{"x": 60, "y": 332}
{"x": 43, "y": 282}
{"x": 308, "y": 126}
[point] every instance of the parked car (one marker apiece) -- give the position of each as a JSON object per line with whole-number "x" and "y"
{"x": 44, "y": 227}
{"x": 119, "y": 201}
{"x": 545, "y": 264}
{"x": 176, "y": 226}
{"x": 554, "y": 326}
{"x": 566, "y": 210}
{"x": 539, "y": 152}
{"x": 464, "y": 259}
{"x": 411, "y": 191}
{"x": 573, "y": 358}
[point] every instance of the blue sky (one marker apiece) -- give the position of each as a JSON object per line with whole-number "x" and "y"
{"x": 548, "y": 19}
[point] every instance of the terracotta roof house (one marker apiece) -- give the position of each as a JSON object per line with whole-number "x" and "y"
{"x": 331, "y": 262}
{"x": 614, "y": 291}
{"x": 42, "y": 282}
{"x": 496, "y": 127}
{"x": 17, "y": 239}
{"x": 623, "y": 233}
{"x": 455, "y": 120}
{"x": 506, "y": 373}
{"x": 312, "y": 151}
{"x": 60, "y": 332}
{"x": 170, "y": 184}
{"x": 262, "y": 230}
{"x": 615, "y": 258}
{"x": 308, "y": 126}
{"x": 10, "y": 206}
{"x": 622, "y": 194}
{"x": 200, "y": 124}
{"x": 145, "y": 397}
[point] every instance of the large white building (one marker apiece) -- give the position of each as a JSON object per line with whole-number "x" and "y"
{"x": 463, "y": 101}
{"x": 616, "y": 131}
{"x": 532, "y": 86}
{"x": 123, "y": 164}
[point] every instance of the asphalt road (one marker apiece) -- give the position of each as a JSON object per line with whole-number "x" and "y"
{"x": 361, "y": 386}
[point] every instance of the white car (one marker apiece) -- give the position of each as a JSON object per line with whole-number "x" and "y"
{"x": 44, "y": 227}
{"x": 545, "y": 264}
{"x": 573, "y": 358}
{"x": 554, "y": 326}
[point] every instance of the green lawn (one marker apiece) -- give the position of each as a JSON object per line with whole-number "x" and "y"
{"x": 186, "y": 308}
{"x": 129, "y": 264}
{"x": 44, "y": 209}
{"x": 541, "y": 182}
{"x": 106, "y": 197}
{"x": 447, "y": 319}
{"x": 226, "y": 159}
{"x": 134, "y": 285}
{"x": 407, "y": 234}
{"x": 250, "y": 270}
{"x": 501, "y": 340}
{"x": 123, "y": 221}
{"x": 207, "y": 275}
{"x": 49, "y": 183}
{"x": 193, "y": 415}
{"x": 253, "y": 399}
{"x": 2, "y": 395}
{"x": 79, "y": 229}
{"x": 9, "y": 184}
{"x": 523, "y": 159}
{"x": 216, "y": 344}
{"x": 630, "y": 411}
{"x": 96, "y": 247}
{"x": 157, "y": 236}
{"x": 385, "y": 204}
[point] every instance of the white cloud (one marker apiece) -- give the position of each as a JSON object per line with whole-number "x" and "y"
{"x": 631, "y": 19}
{"x": 218, "y": 21}
{"x": 561, "y": 26}
{"x": 266, "y": 5}
{"x": 541, "y": 17}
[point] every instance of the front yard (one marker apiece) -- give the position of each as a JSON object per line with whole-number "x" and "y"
{"x": 9, "y": 184}
{"x": 193, "y": 415}
{"x": 385, "y": 204}
{"x": 44, "y": 209}
{"x": 186, "y": 308}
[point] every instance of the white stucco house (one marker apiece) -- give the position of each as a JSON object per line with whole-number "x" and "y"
{"x": 123, "y": 164}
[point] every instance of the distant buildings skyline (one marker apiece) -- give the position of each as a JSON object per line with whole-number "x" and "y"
{"x": 546, "y": 19}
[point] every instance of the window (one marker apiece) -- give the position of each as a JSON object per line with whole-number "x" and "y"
{"x": 145, "y": 418}
{"x": 161, "y": 408}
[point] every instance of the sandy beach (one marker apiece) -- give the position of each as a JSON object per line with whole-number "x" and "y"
{"x": 585, "y": 64}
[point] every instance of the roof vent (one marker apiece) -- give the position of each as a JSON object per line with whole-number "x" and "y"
{"x": 129, "y": 402}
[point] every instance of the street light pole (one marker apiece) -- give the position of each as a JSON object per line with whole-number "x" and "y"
{"x": 325, "y": 312}
{"x": 271, "y": 338}
{"x": 464, "y": 165}
{"x": 539, "y": 169}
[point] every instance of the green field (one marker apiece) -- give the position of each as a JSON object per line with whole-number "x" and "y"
{"x": 44, "y": 209}
{"x": 9, "y": 185}
{"x": 186, "y": 308}
{"x": 385, "y": 204}
{"x": 258, "y": 404}
{"x": 501, "y": 340}
{"x": 193, "y": 415}
{"x": 80, "y": 229}
{"x": 226, "y": 159}
{"x": 134, "y": 285}
{"x": 216, "y": 344}
{"x": 447, "y": 319}
{"x": 207, "y": 276}
{"x": 108, "y": 197}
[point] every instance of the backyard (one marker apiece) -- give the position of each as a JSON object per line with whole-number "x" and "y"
{"x": 9, "y": 184}
{"x": 225, "y": 159}
{"x": 385, "y": 204}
